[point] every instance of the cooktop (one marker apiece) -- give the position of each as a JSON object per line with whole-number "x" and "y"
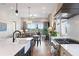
{"x": 66, "y": 41}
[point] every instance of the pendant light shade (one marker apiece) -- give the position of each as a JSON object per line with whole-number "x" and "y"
{"x": 16, "y": 11}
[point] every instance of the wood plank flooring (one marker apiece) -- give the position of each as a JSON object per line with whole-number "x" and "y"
{"x": 42, "y": 50}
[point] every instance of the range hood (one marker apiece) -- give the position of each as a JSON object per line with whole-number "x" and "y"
{"x": 71, "y": 9}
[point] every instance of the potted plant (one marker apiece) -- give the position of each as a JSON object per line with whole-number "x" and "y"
{"x": 45, "y": 32}
{"x": 53, "y": 33}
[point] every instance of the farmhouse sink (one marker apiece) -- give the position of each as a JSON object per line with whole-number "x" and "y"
{"x": 17, "y": 41}
{"x": 22, "y": 41}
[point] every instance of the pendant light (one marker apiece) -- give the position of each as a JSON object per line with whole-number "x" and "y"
{"x": 16, "y": 11}
{"x": 29, "y": 13}
{"x": 29, "y": 18}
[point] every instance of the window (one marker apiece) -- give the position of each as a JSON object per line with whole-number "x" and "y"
{"x": 64, "y": 27}
{"x": 34, "y": 25}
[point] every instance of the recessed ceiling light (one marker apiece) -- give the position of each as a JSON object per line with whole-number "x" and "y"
{"x": 11, "y": 7}
{"x": 43, "y": 8}
{"x": 31, "y": 15}
{"x": 44, "y": 12}
{"x": 35, "y": 15}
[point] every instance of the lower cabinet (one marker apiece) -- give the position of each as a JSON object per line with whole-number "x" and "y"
{"x": 63, "y": 52}
{"x": 28, "y": 52}
{"x": 21, "y": 52}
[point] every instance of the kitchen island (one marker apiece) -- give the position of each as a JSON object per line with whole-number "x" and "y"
{"x": 8, "y": 48}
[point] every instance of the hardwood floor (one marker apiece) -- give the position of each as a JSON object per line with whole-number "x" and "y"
{"x": 41, "y": 50}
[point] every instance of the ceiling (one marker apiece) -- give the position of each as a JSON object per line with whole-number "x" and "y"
{"x": 37, "y": 10}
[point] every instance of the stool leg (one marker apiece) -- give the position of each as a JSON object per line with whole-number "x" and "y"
{"x": 40, "y": 42}
{"x": 37, "y": 43}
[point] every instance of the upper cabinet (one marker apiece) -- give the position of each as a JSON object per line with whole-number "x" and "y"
{"x": 68, "y": 10}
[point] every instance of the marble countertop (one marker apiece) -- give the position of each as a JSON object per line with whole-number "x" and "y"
{"x": 8, "y": 48}
{"x": 73, "y": 49}
{"x": 58, "y": 37}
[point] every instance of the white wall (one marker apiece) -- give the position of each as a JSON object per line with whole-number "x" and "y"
{"x": 18, "y": 24}
{"x": 5, "y": 17}
{"x": 10, "y": 29}
{"x": 73, "y": 27}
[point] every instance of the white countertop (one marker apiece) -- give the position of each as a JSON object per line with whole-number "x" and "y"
{"x": 8, "y": 48}
{"x": 73, "y": 49}
{"x": 58, "y": 37}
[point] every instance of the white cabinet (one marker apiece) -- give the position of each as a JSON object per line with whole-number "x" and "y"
{"x": 63, "y": 52}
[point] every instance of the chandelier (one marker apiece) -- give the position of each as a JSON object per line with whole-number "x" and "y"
{"x": 29, "y": 17}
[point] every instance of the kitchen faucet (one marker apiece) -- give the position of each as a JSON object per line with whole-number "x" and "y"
{"x": 14, "y": 34}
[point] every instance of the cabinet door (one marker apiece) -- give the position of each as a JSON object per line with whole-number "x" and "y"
{"x": 63, "y": 52}
{"x": 20, "y": 53}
